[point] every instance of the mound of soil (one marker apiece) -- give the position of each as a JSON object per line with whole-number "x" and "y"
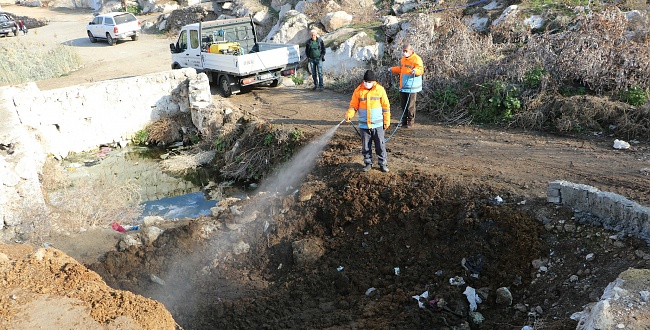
{"x": 374, "y": 240}
{"x": 46, "y": 289}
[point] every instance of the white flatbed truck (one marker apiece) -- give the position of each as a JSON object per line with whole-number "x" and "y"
{"x": 229, "y": 53}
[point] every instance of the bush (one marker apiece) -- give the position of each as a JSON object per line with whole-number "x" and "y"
{"x": 496, "y": 102}
{"x": 634, "y": 96}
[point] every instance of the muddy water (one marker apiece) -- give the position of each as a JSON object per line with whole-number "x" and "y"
{"x": 162, "y": 194}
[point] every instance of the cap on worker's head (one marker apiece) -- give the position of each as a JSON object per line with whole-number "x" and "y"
{"x": 369, "y": 76}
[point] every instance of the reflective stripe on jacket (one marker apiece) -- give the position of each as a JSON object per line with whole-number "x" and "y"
{"x": 372, "y": 105}
{"x": 407, "y": 82}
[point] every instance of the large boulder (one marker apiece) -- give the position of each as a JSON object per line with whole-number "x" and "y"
{"x": 179, "y": 18}
{"x": 622, "y": 305}
{"x": 404, "y": 6}
{"x": 477, "y": 22}
{"x": 353, "y": 53}
{"x": 291, "y": 29}
{"x": 390, "y": 25}
{"x": 336, "y": 20}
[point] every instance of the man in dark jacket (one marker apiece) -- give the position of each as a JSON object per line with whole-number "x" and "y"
{"x": 315, "y": 49}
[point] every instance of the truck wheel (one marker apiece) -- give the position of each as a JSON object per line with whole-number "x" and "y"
{"x": 225, "y": 86}
{"x": 110, "y": 40}
{"x": 134, "y": 37}
{"x": 91, "y": 37}
{"x": 275, "y": 83}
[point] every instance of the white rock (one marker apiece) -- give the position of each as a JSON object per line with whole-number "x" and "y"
{"x": 534, "y": 21}
{"x": 336, "y": 20}
{"x": 511, "y": 11}
{"x": 150, "y": 234}
{"x": 349, "y": 55}
{"x": 291, "y": 30}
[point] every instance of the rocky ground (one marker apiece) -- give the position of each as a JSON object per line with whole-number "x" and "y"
{"x": 311, "y": 259}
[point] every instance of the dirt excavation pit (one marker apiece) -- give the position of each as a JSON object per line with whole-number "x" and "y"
{"x": 348, "y": 249}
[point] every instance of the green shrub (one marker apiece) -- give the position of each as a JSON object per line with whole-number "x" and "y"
{"x": 533, "y": 77}
{"x": 134, "y": 9}
{"x": 297, "y": 79}
{"x": 634, "y": 96}
{"x": 496, "y": 102}
{"x": 140, "y": 137}
{"x": 445, "y": 98}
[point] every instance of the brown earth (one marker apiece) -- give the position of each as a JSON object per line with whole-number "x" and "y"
{"x": 432, "y": 210}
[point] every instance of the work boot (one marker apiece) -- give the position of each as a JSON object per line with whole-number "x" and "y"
{"x": 322, "y": 89}
{"x": 367, "y": 167}
{"x": 314, "y": 88}
{"x": 384, "y": 168}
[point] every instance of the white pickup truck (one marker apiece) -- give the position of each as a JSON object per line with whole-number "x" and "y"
{"x": 229, "y": 53}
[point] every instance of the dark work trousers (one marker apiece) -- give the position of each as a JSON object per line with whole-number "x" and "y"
{"x": 368, "y": 136}
{"x": 409, "y": 116}
{"x": 316, "y": 67}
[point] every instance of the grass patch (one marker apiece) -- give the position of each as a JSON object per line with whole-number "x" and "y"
{"x": 24, "y": 61}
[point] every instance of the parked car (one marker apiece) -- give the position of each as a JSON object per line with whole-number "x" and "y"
{"x": 113, "y": 27}
{"x": 7, "y": 25}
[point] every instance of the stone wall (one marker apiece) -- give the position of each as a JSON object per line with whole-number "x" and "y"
{"x": 612, "y": 211}
{"x": 36, "y": 123}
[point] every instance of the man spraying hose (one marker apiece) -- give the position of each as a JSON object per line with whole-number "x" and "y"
{"x": 410, "y": 83}
{"x": 371, "y": 103}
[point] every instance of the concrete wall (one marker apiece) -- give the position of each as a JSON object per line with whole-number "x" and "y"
{"x": 78, "y": 118}
{"x": 35, "y": 123}
{"x": 612, "y": 211}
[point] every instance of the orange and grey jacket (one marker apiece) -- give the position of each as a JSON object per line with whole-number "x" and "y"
{"x": 372, "y": 105}
{"x": 409, "y": 83}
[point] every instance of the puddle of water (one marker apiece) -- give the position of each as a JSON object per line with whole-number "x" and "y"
{"x": 191, "y": 205}
{"x": 161, "y": 194}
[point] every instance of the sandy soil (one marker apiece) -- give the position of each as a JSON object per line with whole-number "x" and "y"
{"x": 429, "y": 212}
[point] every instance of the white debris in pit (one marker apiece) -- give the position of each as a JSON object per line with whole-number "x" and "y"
{"x": 472, "y": 298}
{"x": 424, "y": 295}
{"x": 457, "y": 281}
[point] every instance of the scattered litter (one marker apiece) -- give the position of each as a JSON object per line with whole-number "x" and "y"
{"x": 498, "y": 200}
{"x": 590, "y": 257}
{"x": 280, "y": 266}
{"x": 474, "y": 263}
{"x": 457, "y": 281}
{"x": 526, "y": 328}
{"x": 266, "y": 226}
{"x": 620, "y": 144}
{"x": 424, "y": 295}
{"x": 396, "y": 271}
{"x": 339, "y": 268}
{"x": 474, "y": 275}
{"x": 176, "y": 144}
{"x": 612, "y": 127}
{"x": 522, "y": 202}
{"x": 123, "y": 229}
{"x": 13, "y": 297}
{"x": 634, "y": 141}
{"x": 369, "y": 291}
{"x": 472, "y": 297}
{"x": 477, "y": 318}
{"x": 644, "y": 171}
{"x": 439, "y": 273}
{"x": 156, "y": 279}
{"x": 106, "y": 150}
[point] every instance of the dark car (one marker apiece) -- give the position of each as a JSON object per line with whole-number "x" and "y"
{"x": 7, "y": 25}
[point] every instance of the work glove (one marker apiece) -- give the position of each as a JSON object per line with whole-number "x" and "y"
{"x": 413, "y": 72}
{"x": 386, "y": 127}
{"x": 322, "y": 59}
